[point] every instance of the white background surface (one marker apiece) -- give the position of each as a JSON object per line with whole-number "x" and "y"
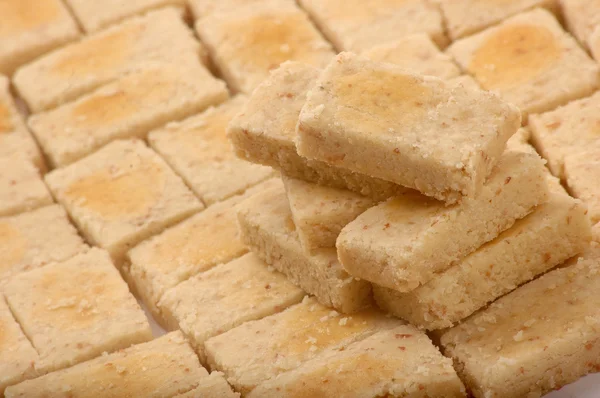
{"x": 587, "y": 387}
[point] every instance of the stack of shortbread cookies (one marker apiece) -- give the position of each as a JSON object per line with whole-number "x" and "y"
{"x": 420, "y": 195}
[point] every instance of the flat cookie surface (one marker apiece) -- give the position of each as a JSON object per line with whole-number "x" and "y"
{"x": 76, "y": 310}
{"x": 121, "y": 195}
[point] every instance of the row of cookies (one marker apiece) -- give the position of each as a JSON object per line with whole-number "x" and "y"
{"x": 90, "y": 83}
{"x": 77, "y": 305}
{"x": 56, "y": 319}
{"x": 118, "y": 197}
{"x": 89, "y": 298}
{"x": 557, "y": 51}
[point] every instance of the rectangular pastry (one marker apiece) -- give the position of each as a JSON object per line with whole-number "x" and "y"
{"x": 553, "y": 233}
{"x": 406, "y": 241}
{"x": 380, "y": 120}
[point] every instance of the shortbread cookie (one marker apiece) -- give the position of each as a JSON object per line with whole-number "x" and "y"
{"x": 261, "y": 350}
{"x": 30, "y": 28}
{"x": 76, "y": 310}
{"x": 226, "y": 296}
{"x": 404, "y": 242}
{"x": 567, "y": 130}
{"x": 198, "y": 150}
{"x": 582, "y": 17}
{"x": 21, "y": 186}
{"x": 94, "y": 16}
{"x": 554, "y": 232}
{"x": 160, "y": 368}
{"x": 396, "y": 362}
{"x": 380, "y": 120}
{"x": 530, "y": 61}
{"x": 14, "y": 137}
{"x": 466, "y": 17}
{"x": 417, "y": 53}
{"x": 186, "y": 249}
{"x": 358, "y": 25}
{"x": 266, "y": 226}
{"x": 247, "y": 43}
{"x": 265, "y": 130}
{"x": 17, "y": 356}
{"x": 76, "y": 69}
{"x": 536, "y": 339}
{"x": 121, "y": 195}
{"x": 319, "y": 212}
{"x": 34, "y": 239}
{"x": 131, "y": 106}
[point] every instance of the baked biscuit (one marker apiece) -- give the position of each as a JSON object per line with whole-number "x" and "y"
{"x": 536, "y": 339}
{"x": 265, "y": 130}
{"x": 380, "y": 120}
{"x": 246, "y": 44}
{"x": 358, "y": 25}
{"x": 198, "y": 150}
{"x": 396, "y": 362}
{"x": 320, "y": 212}
{"x": 76, "y": 310}
{"x": 257, "y": 351}
{"x": 129, "y": 107}
{"x": 121, "y": 195}
{"x": 553, "y": 233}
{"x": 78, "y": 68}
{"x": 159, "y": 368}
{"x": 186, "y": 249}
{"x": 530, "y": 61}
{"x": 30, "y": 28}
{"x": 404, "y": 242}
{"x": 224, "y": 297}
{"x": 33, "y": 239}
{"x": 266, "y": 226}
